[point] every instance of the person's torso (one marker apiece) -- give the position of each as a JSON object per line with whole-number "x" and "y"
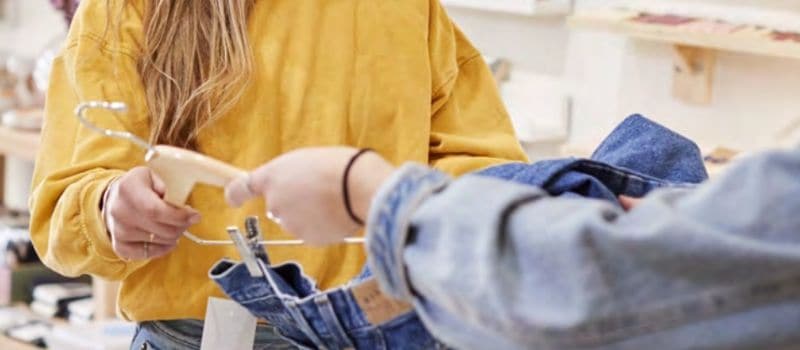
{"x": 347, "y": 72}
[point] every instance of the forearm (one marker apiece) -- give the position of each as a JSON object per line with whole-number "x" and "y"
{"x": 510, "y": 264}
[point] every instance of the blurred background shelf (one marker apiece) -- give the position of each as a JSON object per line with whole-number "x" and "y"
{"x": 21, "y": 144}
{"x": 748, "y": 39}
{"x": 7, "y": 343}
{"x": 519, "y": 7}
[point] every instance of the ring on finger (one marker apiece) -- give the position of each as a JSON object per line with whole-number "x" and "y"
{"x": 273, "y": 217}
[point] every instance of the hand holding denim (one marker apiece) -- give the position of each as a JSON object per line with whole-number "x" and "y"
{"x": 489, "y": 263}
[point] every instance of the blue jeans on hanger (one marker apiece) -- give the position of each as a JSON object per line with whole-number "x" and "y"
{"x": 348, "y": 317}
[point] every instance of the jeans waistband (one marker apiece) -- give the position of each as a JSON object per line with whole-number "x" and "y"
{"x": 290, "y": 302}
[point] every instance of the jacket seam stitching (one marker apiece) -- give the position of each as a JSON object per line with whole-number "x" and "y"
{"x": 454, "y": 75}
{"x": 103, "y": 45}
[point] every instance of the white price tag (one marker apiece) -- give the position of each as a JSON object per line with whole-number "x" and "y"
{"x": 228, "y": 325}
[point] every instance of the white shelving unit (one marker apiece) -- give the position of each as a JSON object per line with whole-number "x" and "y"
{"x": 22, "y": 144}
{"x": 520, "y": 7}
{"x": 695, "y": 45}
{"x": 751, "y": 39}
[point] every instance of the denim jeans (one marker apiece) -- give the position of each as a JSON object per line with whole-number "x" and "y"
{"x": 350, "y": 317}
{"x": 187, "y": 334}
{"x": 637, "y": 157}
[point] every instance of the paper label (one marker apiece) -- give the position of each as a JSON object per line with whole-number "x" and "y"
{"x": 377, "y": 307}
{"x": 228, "y": 325}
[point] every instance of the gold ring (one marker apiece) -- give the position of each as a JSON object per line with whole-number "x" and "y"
{"x": 152, "y": 237}
{"x": 273, "y": 217}
{"x": 146, "y": 250}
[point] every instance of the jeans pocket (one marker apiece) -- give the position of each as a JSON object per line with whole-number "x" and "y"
{"x": 139, "y": 341}
{"x": 147, "y": 346}
{"x": 154, "y": 335}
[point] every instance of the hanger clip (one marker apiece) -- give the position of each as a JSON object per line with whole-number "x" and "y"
{"x": 245, "y": 251}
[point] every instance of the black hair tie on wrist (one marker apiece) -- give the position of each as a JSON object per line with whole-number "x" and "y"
{"x": 345, "y": 187}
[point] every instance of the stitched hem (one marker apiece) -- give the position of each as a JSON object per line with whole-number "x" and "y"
{"x": 389, "y": 222}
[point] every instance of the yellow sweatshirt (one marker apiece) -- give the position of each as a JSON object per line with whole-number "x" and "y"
{"x": 396, "y": 76}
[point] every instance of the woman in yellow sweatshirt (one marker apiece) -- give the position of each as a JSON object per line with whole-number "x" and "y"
{"x": 242, "y": 81}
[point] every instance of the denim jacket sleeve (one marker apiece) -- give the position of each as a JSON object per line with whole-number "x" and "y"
{"x": 492, "y": 264}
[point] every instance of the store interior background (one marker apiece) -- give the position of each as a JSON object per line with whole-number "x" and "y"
{"x": 602, "y": 76}
{"x": 569, "y": 87}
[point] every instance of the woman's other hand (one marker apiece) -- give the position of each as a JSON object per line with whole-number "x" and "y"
{"x": 305, "y": 194}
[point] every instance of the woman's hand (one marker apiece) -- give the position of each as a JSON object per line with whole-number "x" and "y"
{"x": 305, "y": 194}
{"x": 141, "y": 224}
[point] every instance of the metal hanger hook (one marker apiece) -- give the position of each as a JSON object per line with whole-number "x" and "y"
{"x": 210, "y": 242}
{"x": 117, "y": 107}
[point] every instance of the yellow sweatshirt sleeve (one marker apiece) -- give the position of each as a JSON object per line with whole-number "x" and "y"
{"x": 74, "y": 164}
{"x": 470, "y": 128}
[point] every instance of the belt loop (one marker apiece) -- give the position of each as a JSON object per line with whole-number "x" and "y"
{"x": 328, "y": 314}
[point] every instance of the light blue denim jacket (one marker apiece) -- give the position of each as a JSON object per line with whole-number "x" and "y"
{"x": 491, "y": 264}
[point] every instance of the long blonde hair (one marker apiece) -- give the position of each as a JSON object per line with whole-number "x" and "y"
{"x": 195, "y": 65}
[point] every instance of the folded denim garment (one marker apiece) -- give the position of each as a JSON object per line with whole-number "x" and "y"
{"x": 636, "y": 158}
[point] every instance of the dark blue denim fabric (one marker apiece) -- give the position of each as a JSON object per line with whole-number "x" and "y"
{"x": 636, "y": 158}
{"x": 312, "y": 319}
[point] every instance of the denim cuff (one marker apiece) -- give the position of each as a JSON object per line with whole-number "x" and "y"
{"x": 389, "y": 223}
